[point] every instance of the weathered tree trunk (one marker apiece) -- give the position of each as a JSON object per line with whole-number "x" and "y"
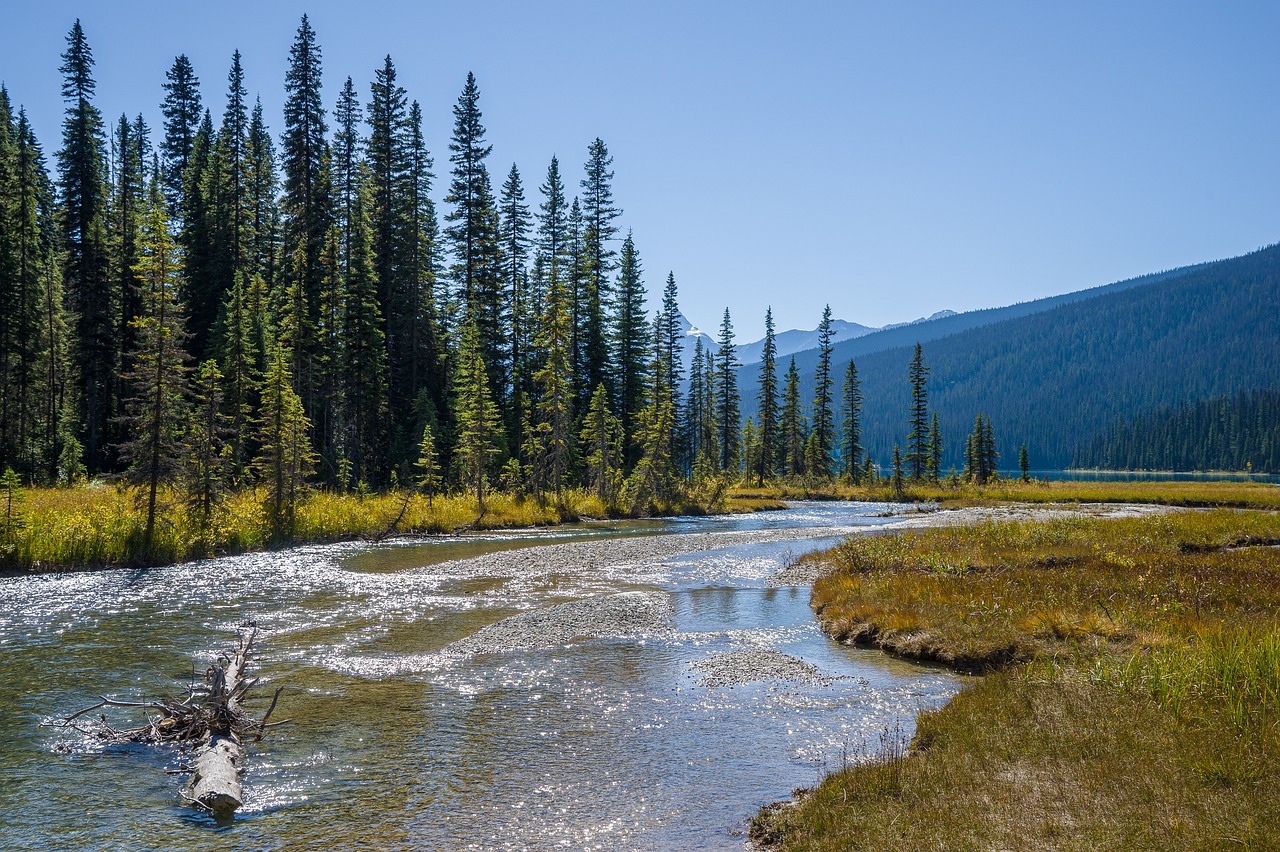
{"x": 215, "y": 780}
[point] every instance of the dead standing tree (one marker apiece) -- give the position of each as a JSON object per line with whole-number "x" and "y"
{"x": 210, "y": 715}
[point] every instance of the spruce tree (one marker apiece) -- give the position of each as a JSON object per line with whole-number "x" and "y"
{"x": 157, "y": 380}
{"x": 473, "y": 234}
{"x": 934, "y": 470}
{"x": 897, "y": 480}
{"x": 917, "y": 458}
{"x": 346, "y": 169}
{"x": 205, "y": 452}
{"x": 767, "y": 402}
{"x": 364, "y": 354}
{"x": 631, "y": 344}
{"x": 285, "y": 458}
{"x": 794, "y": 427}
{"x": 513, "y": 236}
{"x": 728, "y": 405}
{"x": 653, "y": 480}
{"x": 670, "y": 336}
{"x": 477, "y": 415}
{"x": 599, "y": 215}
{"x": 81, "y": 169}
{"x": 428, "y": 464}
{"x": 852, "y": 449}
{"x": 264, "y": 213}
{"x": 602, "y": 441}
{"x": 549, "y": 446}
{"x": 824, "y": 426}
{"x": 418, "y": 383}
{"x": 239, "y": 377}
{"x": 127, "y": 205}
{"x": 1024, "y": 463}
{"x": 307, "y": 201}
{"x": 182, "y": 111}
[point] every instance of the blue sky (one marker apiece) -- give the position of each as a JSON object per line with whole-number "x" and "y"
{"x": 891, "y": 159}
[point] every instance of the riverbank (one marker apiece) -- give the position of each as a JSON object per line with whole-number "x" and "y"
{"x": 1235, "y": 495}
{"x": 1133, "y": 699}
{"x": 102, "y": 525}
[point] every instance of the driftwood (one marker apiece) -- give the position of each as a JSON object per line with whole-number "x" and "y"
{"x": 210, "y": 716}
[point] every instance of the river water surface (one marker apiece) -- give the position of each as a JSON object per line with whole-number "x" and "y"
{"x": 397, "y": 743}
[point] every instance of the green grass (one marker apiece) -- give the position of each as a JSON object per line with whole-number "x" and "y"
{"x": 1239, "y": 495}
{"x": 1134, "y": 699}
{"x": 100, "y": 525}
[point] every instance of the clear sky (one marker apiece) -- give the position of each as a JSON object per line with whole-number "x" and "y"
{"x": 891, "y": 158}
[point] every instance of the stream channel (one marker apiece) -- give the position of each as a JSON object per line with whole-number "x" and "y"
{"x": 416, "y": 725}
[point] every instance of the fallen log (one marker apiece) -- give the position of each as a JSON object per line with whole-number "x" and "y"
{"x": 209, "y": 715}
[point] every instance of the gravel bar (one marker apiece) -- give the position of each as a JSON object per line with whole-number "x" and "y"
{"x": 738, "y": 667}
{"x": 623, "y": 614}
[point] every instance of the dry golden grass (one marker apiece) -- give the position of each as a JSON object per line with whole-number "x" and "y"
{"x": 1135, "y": 699}
{"x": 97, "y": 525}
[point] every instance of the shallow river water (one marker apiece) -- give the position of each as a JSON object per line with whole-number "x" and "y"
{"x": 399, "y": 742}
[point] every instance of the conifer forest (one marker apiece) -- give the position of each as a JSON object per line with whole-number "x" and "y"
{"x": 211, "y": 306}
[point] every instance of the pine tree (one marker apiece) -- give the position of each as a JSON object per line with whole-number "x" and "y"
{"x": 199, "y": 232}
{"x": 1024, "y": 463}
{"x": 700, "y": 415}
{"x": 477, "y": 415}
{"x": 285, "y": 458}
{"x": 897, "y": 473}
{"x": 205, "y": 452}
{"x": 388, "y": 163}
{"x": 602, "y": 441}
{"x": 631, "y": 344}
{"x": 728, "y": 416}
{"x": 981, "y": 457}
{"x": 852, "y": 423}
{"x": 824, "y": 426}
{"x": 598, "y": 214}
{"x": 346, "y": 169}
{"x": 794, "y": 427}
{"x": 157, "y": 380}
{"x": 84, "y": 210}
{"x": 918, "y": 438}
{"x": 182, "y": 111}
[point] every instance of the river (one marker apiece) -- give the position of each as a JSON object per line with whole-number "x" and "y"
{"x": 398, "y": 740}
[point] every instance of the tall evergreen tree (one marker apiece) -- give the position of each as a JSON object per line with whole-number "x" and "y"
{"x": 513, "y": 236}
{"x": 157, "y": 381}
{"x": 602, "y": 442}
{"x": 418, "y": 374}
{"x": 917, "y": 458}
{"x": 86, "y": 276}
{"x": 652, "y": 481}
{"x": 346, "y": 170}
{"x": 307, "y": 202}
{"x": 728, "y": 404}
{"x": 599, "y": 215}
{"x": 182, "y": 111}
{"x": 477, "y": 415}
{"x": 204, "y": 444}
{"x": 285, "y": 458}
{"x": 631, "y": 344}
{"x": 238, "y": 346}
{"x": 852, "y": 449}
{"x": 700, "y": 432}
{"x": 263, "y": 211}
{"x": 473, "y": 234}
{"x": 670, "y": 339}
{"x": 767, "y": 402}
{"x": 364, "y": 368}
{"x": 934, "y": 469}
{"x": 127, "y": 205}
{"x": 824, "y": 427}
{"x": 793, "y": 425}
{"x": 550, "y": 444}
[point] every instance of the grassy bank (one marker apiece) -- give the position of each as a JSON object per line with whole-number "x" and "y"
{"x": 103, "y": 525}
{"x": 1134, "y": 700}
{"x": 1239, "y": 495}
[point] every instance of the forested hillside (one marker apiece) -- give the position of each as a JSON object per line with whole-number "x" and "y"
{"x": 1055, "y": 377}
{"x": 1240, "y": 432}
